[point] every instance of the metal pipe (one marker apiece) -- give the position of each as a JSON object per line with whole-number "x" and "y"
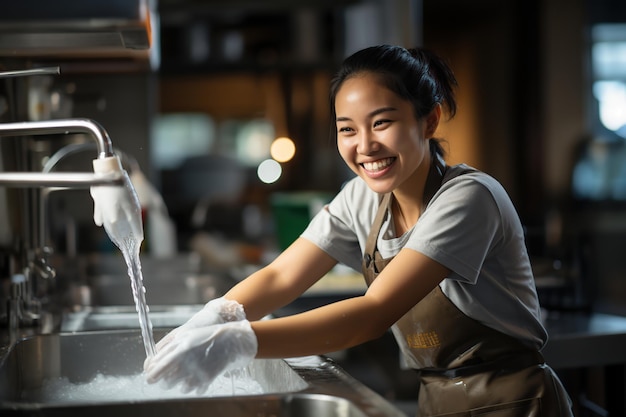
{"x": 57, "y": 179}
{"x": 129, "y": 162}
{"x": 62, "y": 126}
{"x": 28, "y": 72}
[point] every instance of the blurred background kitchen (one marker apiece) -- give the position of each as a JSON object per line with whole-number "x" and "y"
{"x": 197, "y": 116}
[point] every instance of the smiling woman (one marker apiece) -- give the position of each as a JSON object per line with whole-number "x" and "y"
{"x": 441, "y": 248}
{"x": 379, "y": 137}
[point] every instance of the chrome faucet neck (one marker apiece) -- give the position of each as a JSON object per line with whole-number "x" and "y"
{"x": 62, "y": 126}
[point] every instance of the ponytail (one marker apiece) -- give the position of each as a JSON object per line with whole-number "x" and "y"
{"x": 438, "y": 74}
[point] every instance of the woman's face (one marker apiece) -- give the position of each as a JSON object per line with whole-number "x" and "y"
{"x": 378, "y": 135}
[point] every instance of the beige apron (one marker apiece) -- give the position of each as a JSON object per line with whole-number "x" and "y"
{"x": 466, "y": 368}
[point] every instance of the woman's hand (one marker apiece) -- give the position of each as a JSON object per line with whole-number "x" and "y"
{"x": 217, "y": 311}
{"x": 195, "y": 357}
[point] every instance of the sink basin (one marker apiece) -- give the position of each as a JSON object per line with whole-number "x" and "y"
{"x": 302, "y": 387}
{"x": 44, "y": 368}
{"x": 189, "y": 288}
{"x": 175, "y": 290}
{"x": 179, "y": 280}
{"x": 125, "y": 317}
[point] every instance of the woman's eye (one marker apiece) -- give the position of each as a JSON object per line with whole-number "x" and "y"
{"x": 381, "y": 122}
{"x": 345, "y": 129}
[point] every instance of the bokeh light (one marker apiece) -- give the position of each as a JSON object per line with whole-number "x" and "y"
{"x": 269, "y": 171}
{"x": 282, "y": 149}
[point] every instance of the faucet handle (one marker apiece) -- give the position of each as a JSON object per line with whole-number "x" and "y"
{"x": 43, "y": 268}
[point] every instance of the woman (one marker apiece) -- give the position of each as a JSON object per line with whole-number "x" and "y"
{"x": 441, "y": 248}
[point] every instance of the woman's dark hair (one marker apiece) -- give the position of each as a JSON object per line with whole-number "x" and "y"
{"x": 416, "y": 75}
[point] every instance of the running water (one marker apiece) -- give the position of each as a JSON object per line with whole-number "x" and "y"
{"x": 130, "y": 249}
{"x": 118, "y": 209}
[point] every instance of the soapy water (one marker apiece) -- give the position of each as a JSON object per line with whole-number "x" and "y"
{"x": 135, "y": 388}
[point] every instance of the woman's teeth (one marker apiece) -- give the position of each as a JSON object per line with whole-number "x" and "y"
{"x": 377, "y": 165}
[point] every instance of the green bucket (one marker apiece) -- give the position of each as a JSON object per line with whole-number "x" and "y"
{"x": 292, "y": 212}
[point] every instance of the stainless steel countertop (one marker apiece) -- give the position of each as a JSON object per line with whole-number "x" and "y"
{"x": 578, "y": 340}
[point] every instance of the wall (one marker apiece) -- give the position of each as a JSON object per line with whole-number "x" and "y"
{"x": 565, "y": 88}
{"x": 521, "y": 68}
{"x": 478, "y": 40}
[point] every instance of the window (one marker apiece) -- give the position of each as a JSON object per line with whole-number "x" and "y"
{"x": 600, "y": 171}
{"x": 608, "y": 61}
{"x": 178, "y": 136}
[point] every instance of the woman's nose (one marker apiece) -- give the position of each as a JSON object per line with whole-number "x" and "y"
{"x": 366, "y": 143}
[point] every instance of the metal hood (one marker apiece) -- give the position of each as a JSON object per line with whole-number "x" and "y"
{"x": 70, "y": 28}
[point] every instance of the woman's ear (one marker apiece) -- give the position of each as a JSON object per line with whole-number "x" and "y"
{"x": 432, "y": 121}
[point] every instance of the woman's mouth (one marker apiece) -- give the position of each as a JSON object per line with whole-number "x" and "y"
{"x": 377, "y": 166}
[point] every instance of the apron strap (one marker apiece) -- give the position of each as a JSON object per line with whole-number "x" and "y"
{"x": 435, "y": 178}
{"x": 381, "y": 214}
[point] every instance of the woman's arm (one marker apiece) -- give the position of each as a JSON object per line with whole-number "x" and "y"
{"x": 402, "y": 284}
{"x": 301, "y": 265}
{"x": 195, "y": 357}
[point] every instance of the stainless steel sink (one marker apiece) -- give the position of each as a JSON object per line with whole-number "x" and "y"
{"x": 125, "y": 317}
{"x": 175, "y": 289}
{"x": 303, "y": 387}
{"x": 179, "y": 280}
{"x": 161, "y": 289}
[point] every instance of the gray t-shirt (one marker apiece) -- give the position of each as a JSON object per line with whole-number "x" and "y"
{"x": 470, "y": 226}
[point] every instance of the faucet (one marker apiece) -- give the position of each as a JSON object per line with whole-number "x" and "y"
{"x": 35, "y": 265}
{"x": 62, "y": 126}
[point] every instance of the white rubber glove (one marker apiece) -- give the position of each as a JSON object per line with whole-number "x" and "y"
{"x": 117, "y": 208}
{"x": 196, "y": 357}
{"x": 216, "y": 311}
